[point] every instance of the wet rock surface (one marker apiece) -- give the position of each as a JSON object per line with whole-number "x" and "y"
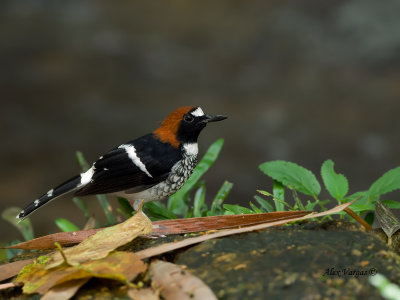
{"x": 315, "y": 260}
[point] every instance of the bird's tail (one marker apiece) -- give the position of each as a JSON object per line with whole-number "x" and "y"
{"x": 58, "y": 191}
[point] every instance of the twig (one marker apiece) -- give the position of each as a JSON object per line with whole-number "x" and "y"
{"x": 352, "y": 214}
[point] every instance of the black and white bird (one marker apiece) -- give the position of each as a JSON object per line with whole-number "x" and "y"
{"x": 149, "y": 168}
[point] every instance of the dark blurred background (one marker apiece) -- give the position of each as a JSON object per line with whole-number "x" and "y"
{"x": 300, "y": 81}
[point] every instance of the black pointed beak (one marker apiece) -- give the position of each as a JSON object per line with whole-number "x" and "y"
{"x": 216, "y": 118}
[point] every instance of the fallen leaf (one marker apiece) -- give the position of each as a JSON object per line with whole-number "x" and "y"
{"x": 157, "y": 250}
{"x": 176, "y": 283}
{"x": 48, "y": 241}
{"x": 389, "y": 222}
{"x": 143, "y": 294}
{"x": 11, "y": 269}
{"x": 65, "y": 290}
{"x": 120, "y": 266}
{"x": 103, "y": 242}
{"x": 8, "y": 285}
{"x": 165, "y": 227}
{"x": 364, "y": 263}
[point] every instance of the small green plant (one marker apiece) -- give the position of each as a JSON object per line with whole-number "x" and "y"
{"x": 300, "y": 180}
{"x": 24, "y": 227}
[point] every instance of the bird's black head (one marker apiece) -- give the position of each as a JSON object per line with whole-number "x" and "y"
{"x": 184, "y": 125}
{"x": 192, "y": 124}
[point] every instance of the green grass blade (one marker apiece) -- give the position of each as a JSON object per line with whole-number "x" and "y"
{"x": 278, "y": 190}
{"x": 65, "y": 225}
{"x": 82, "y": 206}
{"x": 175, "y": 201}
{"x": 24, "y": 227}
{"x": 223, "y": 192}
{"x": 255, "y": 208}
{"x": 158, "y": 210}
{"x": 265, "y": 205}
{"x": 199, "y": 199}
{"x": 107, "y": 209}
{"x": 82, "y": 161}
{"x": 237, "y": 209}
{"x": 126, "y": 207}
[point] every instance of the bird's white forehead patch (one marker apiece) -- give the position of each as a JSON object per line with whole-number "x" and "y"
{"x": 198, "y": 112}
{"x": 135, "y": 159}
{"x": 191, "y": 149}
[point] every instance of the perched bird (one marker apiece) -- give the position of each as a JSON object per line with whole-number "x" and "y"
{"x": 148, "y": 168}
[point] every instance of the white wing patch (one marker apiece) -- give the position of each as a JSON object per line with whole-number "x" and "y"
{"x": 191, "y": 149}
{"x": 198, "y": 112}
{"x": 50, "y": 193}
{"x": 86, "y": 177}
{"x": 135, "y": 159}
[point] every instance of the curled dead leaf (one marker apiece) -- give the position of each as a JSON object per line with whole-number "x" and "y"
{"x": 120, "y": 266}
{"x": 176, "y": 283}
{"x": 104, "y": 241}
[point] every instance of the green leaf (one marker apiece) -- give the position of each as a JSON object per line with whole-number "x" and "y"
{"x": 310, "y": 205}
{"x": 11, "y": 253}
{"x": 369, "y": 218}
{"x": 292, "y": 176}
{"x": 126, "y": 207}
{"x": 392, "y": 204}
{"x": 336, "y": 184}
{"x": 82, "y": 206}
{"x": 388, "y": 182}
{"x": 278, "y": 190}
{"x": 65, "y": 225}
{"x": 237, "y": 209}
{"x": 275, "y": 199}
{"x": 223, "y": 192}
{"x": 107, "y": 209}
{"x": 82, "y": 161}
{"x": 24, "y": 227}
{"x": 255, "y": 208}
{"x": 199, "y": 199}
{"x": 158, "y": 210}
{"x": 265, "y": 205}
{"x": 175, "y": 201}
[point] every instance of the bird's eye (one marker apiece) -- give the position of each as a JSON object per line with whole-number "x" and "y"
{"x": 188, "y": 118}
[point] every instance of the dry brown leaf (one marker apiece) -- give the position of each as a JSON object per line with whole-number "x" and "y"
{"x": 143, "y": 294}
{"x": 65, "y": 290}
{"x": 48, "y": 241}
{"x": 11, "y": 269}
{"x": 176, "y": 283}
{"x": 166, "y": 227}
{"x": 103, "y": 242}
{"x": 157, "y": 250}
{"x": 121, "y": 266}
{"x": 8, "y": 285}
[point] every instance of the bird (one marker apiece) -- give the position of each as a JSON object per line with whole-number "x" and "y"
{"x": 150, "y": 168}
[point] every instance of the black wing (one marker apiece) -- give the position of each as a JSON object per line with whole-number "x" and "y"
{"x": 116, "y": 171}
